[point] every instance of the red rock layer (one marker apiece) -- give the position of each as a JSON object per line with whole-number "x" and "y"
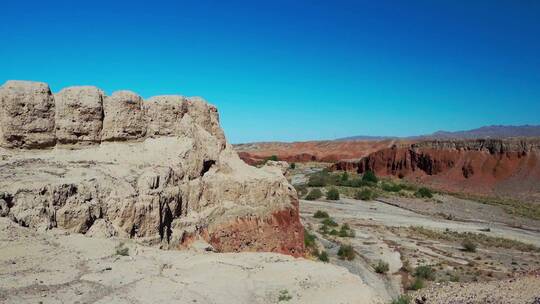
{"x": 320, "y": 151}
{"x": 494, "y": 167}
{"x": 281, "y": 232}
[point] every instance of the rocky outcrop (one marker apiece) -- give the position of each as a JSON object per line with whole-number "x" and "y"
{"x": 26, "y": 115}
{"x": 487, "y": 166}
{"x": 159, "y": 171}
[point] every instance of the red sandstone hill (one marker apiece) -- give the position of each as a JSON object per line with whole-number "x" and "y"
{"x": 320, "y": 151}
{"x": 506, "y": 167}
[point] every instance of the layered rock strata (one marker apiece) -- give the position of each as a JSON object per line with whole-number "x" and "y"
{"x": 485, "y": 166}
{"x": 157, "y": 170}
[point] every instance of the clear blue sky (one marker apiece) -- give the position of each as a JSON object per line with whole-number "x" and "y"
{"x": 294, "y": 70}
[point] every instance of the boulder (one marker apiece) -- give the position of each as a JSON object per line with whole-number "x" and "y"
{"x": 79, "y": 115}
{"x": 26, "y": 115}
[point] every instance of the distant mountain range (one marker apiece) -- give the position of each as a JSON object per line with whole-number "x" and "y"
{"x": 496, "y": 131}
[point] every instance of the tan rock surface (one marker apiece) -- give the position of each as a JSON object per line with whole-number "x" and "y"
{"x": 179, "y": 183}
{"x": 26, "y": 115}
{"x": 79, "y": 115}
{"x": 54, "y": 267}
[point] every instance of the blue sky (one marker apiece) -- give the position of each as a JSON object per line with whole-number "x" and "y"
{"x": 294, "y": 70}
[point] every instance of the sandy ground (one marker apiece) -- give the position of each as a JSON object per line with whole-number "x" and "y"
{"x": 56, "y": 267}
{"x": 381, "y": 234}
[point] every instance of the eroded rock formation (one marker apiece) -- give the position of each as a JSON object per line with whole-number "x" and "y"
{"x": 158, "y": 170}
{"x": 484, "y": 166}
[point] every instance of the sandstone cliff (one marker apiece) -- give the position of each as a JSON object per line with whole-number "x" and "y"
{"x": 157, "y": 170}
{"x": 508, "y": 167}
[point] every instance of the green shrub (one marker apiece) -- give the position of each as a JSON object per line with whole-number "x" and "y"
{"x": 425, "y": 272}
{"x": 284, "y": 296}
{"x": 334, "y": 232}
{"x": 344, "y": 177}
{"x": 309, "y": 239}
{"x": 323, "y": 256}
{"x": 346, "y": 252}
{"x": 402, "y": 299}
{"x": 369, "y": 176}
{"x": 314, "y": 194}
{"x": 346, "y": 231}
{"x": 424, "y": 192}
{"x": 390, "y": 187}
{"x": 468, "y": 245}
{"x": 321, "y": 214}
{"x": 332, "y": 194}
{"x": 273, "y": 157}
{"x": 417, "y": 284}
{"x": 381, "y": 267}
{"x": 365, "y": 195}
{"x": 324, "y": 229}
{"x": 329, "y": 222}
{"x": 292, "y": 166}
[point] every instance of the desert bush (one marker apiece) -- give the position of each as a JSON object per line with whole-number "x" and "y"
{"x": 292, "y": 166}
{"x": 121, "y": 250}
{"x": 316, "y": 180}
{"x": 321, "y": 214}
{"x": 332, "y": 194}
{"x": 309, "y": 239}
{"x": 391, "y": 187}
{"x": 407, "y": 266}
{"x": 324, "y": 229}
{"x": 344, "y": 177}
{"x": 417, "y": 284}
{"x": 364, "y": 194}
{"x": 424, "y": 193}
{"x": 329, "y": 222}
{"x": 381, "y": 267}
{"x": 424, "y": 272}
{"x": 468, "y": 245}
{"x": 284, "y": 296}
{"x": 334, "y": 232}
{"x": 402, "y": 299}
{"x": 314, "y": 194}
{"x": 346, "y": 231}
{"x": 369, "y": 176}
{"x": 273, "y": 157}
{"x": 301, "y": 190}
{"x": 346, "y": 252}
{"x": 323, "y": 256}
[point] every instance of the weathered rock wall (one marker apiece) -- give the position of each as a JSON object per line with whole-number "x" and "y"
{"x": 159, "y": 171}
{"x": 508, "y": 167}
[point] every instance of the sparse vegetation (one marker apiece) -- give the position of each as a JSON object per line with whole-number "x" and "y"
{"x": 365, "y": 195}
{"x": 478, "y": 238}
{"x": 121, "y": 250}
{"x": 369, "y": 176}
{"x": 314, "y": 194}
{"x": 292, "y": 166}
{"x": 323, "y": 257}
{"x": 417, "y": 284}
{"x": 332, "y": 194}
{"x": 301, "y": 190}
{"x": 344, "y": 177}
{"x": 309, "y": 239}
{"x": 425, "y": 272}
{"x": 391, "y": 187}
{"x": 321, "y": 214}
{"x": 402, "y": 299}
{"x": 329, "y": 222}
{"x": 381, "y": 267}
{"x": 346, "y": 231}
{"x": 273, "y": 158}
{"x": 346, "y": 252}
{"x": 284, "y": 296}
{"x": 468, "y": 245}
{"x": 424, "y": 193}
